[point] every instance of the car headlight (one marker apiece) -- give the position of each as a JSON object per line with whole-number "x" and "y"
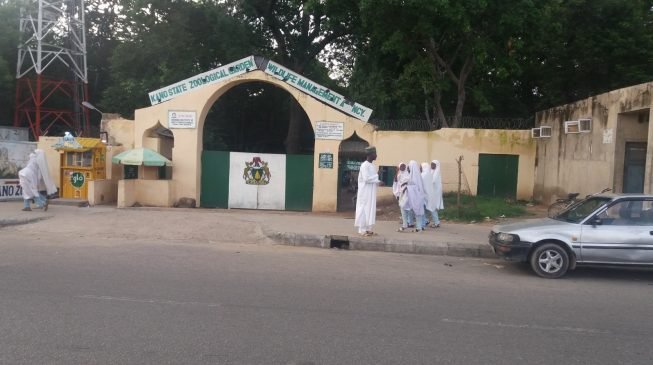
{"x": 507, "y": 237}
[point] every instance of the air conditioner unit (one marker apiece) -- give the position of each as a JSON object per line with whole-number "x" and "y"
{"x": 536, "y": 133}
{"x": 545, "y": 132}
{"x": 585, "y": 125}
{"x": 572, "y": 127}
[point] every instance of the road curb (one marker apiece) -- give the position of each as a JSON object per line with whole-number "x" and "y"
{"x": 20, "y": 221}
{"x": 377, "y": 243}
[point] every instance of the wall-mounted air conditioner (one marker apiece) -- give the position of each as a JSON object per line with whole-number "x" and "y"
{"x": 585, "y": 125}
{"x": 578, "y": 126}
{"x": 545, "y": 132}
{"x": 541, "y": 132}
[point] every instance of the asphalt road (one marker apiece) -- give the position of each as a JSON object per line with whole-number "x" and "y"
{"x": 67, "y": 301}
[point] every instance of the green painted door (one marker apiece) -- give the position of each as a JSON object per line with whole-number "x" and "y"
{"x": 497, "y": 175}
{"x": 215, "y": 179}
{"x": 299, "y": 182}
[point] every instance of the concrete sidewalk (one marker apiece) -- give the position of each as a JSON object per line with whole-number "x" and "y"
{"x": 220, "y": 225}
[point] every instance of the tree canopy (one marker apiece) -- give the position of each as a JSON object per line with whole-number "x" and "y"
{"x": 437, "y": 60}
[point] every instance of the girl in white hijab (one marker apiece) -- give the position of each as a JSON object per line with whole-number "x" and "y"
{"x": 435, "y": 201}
{"x": 399, "y": 188}
{"x": 415, "y": 195}
{"x": 427, "y": 179}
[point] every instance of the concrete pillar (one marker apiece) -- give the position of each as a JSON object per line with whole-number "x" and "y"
{"x": 648, "y": 179}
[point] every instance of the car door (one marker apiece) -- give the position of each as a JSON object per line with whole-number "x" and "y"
{"x": 623, "y": 233}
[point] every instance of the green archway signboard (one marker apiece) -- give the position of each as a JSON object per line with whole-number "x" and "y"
{"x": 77, "y": 179}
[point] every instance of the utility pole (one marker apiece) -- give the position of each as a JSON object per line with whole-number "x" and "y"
{"x": 51, "y": 72}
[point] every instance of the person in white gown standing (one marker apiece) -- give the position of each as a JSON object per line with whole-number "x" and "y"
{"x": 435, "y": 201}
{"x": 368, "y": 180}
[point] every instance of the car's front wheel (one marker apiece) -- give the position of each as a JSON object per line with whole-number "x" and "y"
{"x": 550, "y": 261}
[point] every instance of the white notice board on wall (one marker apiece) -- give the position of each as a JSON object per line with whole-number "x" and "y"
{"x": 330, "y": 130}
{"x": 182, "y": 119}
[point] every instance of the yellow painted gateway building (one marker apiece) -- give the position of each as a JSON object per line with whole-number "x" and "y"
{"x": 496, "y": 162}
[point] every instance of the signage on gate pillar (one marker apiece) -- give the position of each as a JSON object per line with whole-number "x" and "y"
{"x": 181, "y": 119}
{"x": 326, "y": 161}
{"x": 330, "y": 130}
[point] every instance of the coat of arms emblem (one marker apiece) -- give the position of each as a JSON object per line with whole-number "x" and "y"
{"x": 256, "y": 172}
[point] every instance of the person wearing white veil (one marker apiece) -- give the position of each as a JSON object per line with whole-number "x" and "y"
{"x": 415, "y": 195}
{"x": 437, "y": 202}
{"x": 28, "y": 178}
{"x": 399, "y": 187}
{"x": 427, "y": 179}
{"x": 36, "y": 174}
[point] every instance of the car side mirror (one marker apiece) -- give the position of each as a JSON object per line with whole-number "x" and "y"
{"x": 596, "y": 221}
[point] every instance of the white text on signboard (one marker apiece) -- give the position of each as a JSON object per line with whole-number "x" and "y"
{"x": 329, "y": 130}
{"x": 181, "y": 119}
{"x": 318, "y": 91}
{"x": 207, "y": 78}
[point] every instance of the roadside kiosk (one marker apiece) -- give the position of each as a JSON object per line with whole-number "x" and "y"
{"x": 82, "y": 160}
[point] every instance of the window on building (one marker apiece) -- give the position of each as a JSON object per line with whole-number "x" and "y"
{"x": 131, "y": 172}
{"x": 387, "y": 174}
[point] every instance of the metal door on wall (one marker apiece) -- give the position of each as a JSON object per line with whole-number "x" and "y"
{"x": 256, "y": 181}
{"x": 497, "y": 175}
{"x": 634, "y": 167}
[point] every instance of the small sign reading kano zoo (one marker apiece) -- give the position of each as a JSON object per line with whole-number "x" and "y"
{"x": 256, "y": 172}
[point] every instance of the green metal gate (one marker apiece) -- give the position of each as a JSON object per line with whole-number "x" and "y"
{"x": 215, "y": 179}
{"x": 299, "y": 182}
{"x": 497, "y": 175}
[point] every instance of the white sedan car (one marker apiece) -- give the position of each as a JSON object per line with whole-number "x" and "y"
{"x": 605, "y": 229}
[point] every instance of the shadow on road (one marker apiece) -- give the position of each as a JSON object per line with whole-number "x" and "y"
{"x": 591, "y": 273}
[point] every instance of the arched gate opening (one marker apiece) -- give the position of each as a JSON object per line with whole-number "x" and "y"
{"x": 244, "y": 160}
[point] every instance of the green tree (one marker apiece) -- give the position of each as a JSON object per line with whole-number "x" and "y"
{"x": 168, "y": 41}
{"x": 440, "y": 44}
{"x": 9, "y": 15}
{"x": 298, "y": 32}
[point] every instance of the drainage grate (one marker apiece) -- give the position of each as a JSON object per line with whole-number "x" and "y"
{"x": 339, "y": 242}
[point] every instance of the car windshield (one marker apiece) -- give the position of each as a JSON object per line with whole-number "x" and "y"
{"x": 579, "y": 211}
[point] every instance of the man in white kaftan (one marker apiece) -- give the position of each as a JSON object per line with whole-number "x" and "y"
{"x": 368, "y": 180}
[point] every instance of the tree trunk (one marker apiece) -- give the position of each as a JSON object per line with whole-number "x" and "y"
{"x": 437, "y": 105}
{"x": 460, "y": 104}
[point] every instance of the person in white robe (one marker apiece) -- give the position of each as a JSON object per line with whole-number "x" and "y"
{"x": 28, "y": 178}
{"x": 427, "y": 180}
{"x": 415, "y": 197}
{"x": 368, "y": 180}
{"x": 399, "y": 187}
{"x": 436, "y": 202}
{"x": 34, "y": 175}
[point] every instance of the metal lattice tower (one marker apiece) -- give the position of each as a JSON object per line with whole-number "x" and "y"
{"x": 51, "y": 70}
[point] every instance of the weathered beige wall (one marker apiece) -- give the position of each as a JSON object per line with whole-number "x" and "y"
{"x": 52, "y": 156}
{"x": 120, "y": 130}
{"x": 582, "y": 162}
{"x": 158, "y": 193}
{"x": 393, "y": 147}
{"x": 126, "y": 193}
{"x": 102, "y": 191}
{"x": 447, "y": 144}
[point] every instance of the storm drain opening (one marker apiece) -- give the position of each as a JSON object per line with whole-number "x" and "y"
{"x": 339, "y": 242}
